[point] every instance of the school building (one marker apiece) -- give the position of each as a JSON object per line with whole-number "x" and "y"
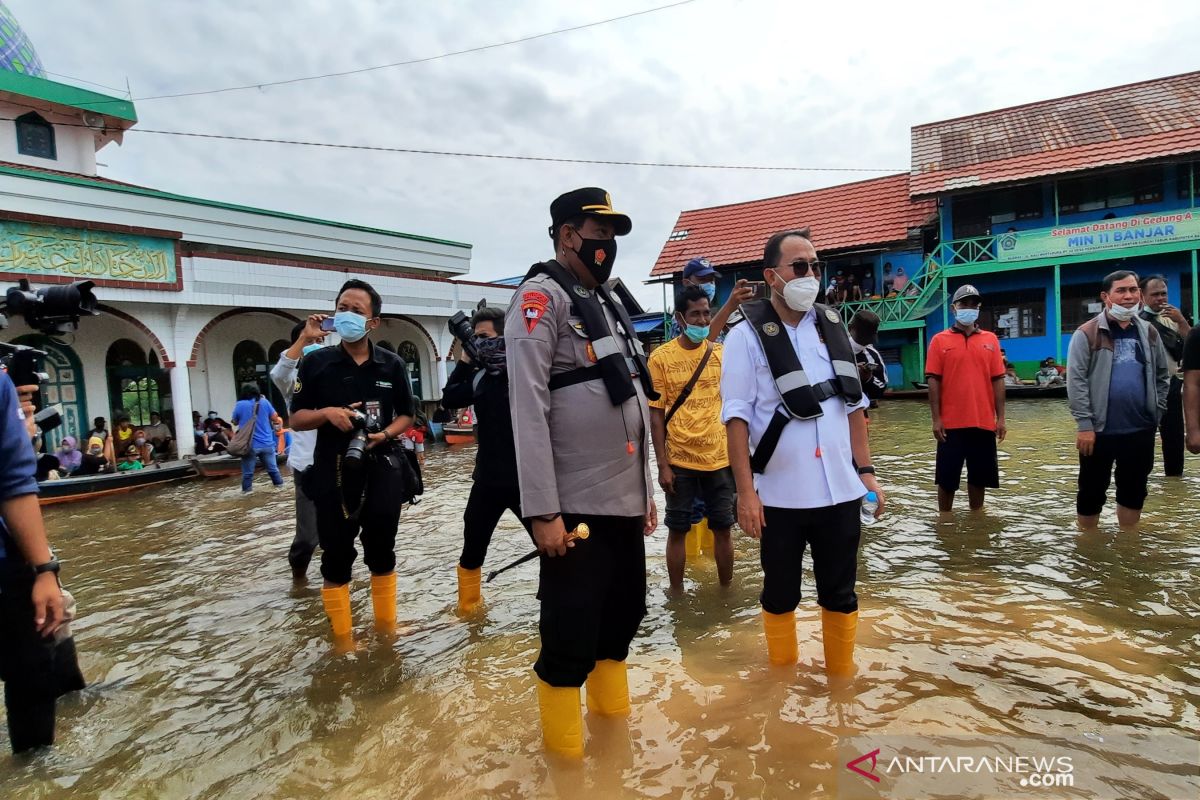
{"x": 1032, "y": 204}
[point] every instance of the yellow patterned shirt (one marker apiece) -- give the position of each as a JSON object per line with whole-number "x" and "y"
{"x": 695, "y": 435}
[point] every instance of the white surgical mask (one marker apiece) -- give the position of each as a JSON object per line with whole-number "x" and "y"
{"x": 1121, "y": 313}
{"x": 966, "y": 316}
{"x": 856, "y": 347}
{"x": 800, "y": 293}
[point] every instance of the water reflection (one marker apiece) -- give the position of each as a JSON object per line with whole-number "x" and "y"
{"x": 214, "y": 678}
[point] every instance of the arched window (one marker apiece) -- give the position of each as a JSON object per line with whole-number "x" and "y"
{"x": 35, "y": 136}
{"x": 250, "y": 366}
{"x": 134, "y": 382}
{"x": 412, "y": 359}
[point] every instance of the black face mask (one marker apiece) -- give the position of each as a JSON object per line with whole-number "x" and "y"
{"x": 598, "y": 255}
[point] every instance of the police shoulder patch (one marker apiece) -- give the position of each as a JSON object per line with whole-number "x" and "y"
{"x": 771, "y": 329}
{"x": 579, "y": 290}
{"x": 296, "y": 387}
{"x": 533, "y": 308}
{"x": 832, "y": 315}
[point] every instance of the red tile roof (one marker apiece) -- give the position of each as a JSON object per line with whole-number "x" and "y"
{"x": 1138, "y": 122}
{"x": 871, "y": 212}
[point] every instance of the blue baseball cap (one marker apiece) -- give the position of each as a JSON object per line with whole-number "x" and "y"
{"x": 698, "y": 268}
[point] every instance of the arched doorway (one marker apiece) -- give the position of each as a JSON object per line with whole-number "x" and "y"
{"x": 136, "y": 383}
{"x": 274, "y": 395}
{"x": 250, "y": 366}
{"x": 412, "y": 360}
{"x": 64, "y": 387}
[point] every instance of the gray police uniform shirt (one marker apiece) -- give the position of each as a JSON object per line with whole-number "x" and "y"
{"x": 572, "y": 454}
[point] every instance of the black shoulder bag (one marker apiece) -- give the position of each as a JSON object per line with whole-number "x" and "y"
{"x": 691, "y": 384}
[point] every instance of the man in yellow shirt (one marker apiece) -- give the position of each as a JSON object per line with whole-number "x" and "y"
{"x": 689, "y": 439}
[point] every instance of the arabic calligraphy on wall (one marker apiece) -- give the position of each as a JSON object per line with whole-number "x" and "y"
{"x": 77, "y": 253}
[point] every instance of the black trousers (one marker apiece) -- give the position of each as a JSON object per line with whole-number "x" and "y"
{"x": 35, "y": 669}
{"x": 380, "y": 486}
{"x": 1171, "y": 430}
{"x": 1133, "y": 455}
{"x": 305, "y": 542}
{"x": 833, "y": 532}
{"x": 485, "y": 506}
{"x": 592, "y": 599}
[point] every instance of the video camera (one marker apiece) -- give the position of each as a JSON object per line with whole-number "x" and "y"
{"x": 461, "y": 328}
{"x": 52, "y": 311}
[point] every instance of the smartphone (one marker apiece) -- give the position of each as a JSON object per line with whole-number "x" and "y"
{"x": 327, "y": 324}
{"x": 759, "y": 288}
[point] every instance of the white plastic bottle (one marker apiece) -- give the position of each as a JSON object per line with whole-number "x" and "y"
{"x": 867, "y": 512}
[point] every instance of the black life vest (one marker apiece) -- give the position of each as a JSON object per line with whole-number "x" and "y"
{"x": 801, "y": 398}
{"x": 611, "y": 366}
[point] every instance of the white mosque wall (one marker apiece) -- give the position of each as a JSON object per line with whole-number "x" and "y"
{"x": 75, "y": 146}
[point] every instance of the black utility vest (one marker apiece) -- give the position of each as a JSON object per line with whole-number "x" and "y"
{"x": 801, "y": 399}
{"x": 611, "y": 366}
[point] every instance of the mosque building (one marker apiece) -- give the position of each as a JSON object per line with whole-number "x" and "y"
{"x": 197, "y": 297}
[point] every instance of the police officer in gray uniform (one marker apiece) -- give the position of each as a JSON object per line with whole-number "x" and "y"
{"x": 578, "y": 384}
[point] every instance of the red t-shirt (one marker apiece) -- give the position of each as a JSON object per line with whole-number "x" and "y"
{"x": 967, "y": 365}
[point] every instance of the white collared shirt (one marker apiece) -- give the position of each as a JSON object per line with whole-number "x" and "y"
{"x": 796, "y": 477}
{"x": 283, "y": 374}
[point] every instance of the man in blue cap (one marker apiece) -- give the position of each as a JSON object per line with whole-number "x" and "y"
{"x": 699, "y": 272}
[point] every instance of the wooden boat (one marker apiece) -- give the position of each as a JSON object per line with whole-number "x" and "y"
{"x": 462, "y": 430}
{"x": 216, "y": 465}
{"x": 87, "y": 487}
{"x": 1024, "y": 391}
{"x": 1037, "y": 392}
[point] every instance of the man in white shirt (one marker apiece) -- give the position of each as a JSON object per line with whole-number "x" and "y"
{"x": 793, "y": 407}
{"x": 305, "y": 335}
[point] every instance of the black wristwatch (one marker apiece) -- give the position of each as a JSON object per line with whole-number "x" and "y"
{"x": 548, "y": 517}
{"x": 49, "y": 566}
{"x": 867, "y": 470}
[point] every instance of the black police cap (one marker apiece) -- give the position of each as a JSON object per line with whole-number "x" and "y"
{"x": 589, "y": 201}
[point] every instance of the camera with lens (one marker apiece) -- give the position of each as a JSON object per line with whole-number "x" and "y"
{"x": 52, "y": 311}
{"x": 460, "y": 327}
{"x": 357, "y": 449}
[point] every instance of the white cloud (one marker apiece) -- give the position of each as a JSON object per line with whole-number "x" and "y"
{"x": 717, "y": 81}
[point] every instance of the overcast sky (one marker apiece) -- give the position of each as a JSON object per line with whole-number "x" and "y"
{"x": 714, "y": 81}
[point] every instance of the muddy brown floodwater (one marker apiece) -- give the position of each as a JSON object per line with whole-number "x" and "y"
{"x": 213, "y": 677}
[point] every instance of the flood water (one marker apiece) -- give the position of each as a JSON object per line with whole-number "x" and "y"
{"x": 213, "y": 677}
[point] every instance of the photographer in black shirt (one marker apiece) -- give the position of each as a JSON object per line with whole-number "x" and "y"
{"x": 358, "y": 399}
{"x": 484, "y": 385}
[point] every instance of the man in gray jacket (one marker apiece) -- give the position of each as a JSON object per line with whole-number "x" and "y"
{"x": 1117, "y": 382}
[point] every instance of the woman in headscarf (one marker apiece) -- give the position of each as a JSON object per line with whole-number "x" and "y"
{"x": 69, "y": 456}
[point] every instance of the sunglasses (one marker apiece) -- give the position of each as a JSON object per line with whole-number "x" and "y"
{"x": 802, "y": 268}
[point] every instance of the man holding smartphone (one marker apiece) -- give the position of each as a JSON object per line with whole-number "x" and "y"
{"x": 355, "y": 390}
{"x": 1173, "y": 329}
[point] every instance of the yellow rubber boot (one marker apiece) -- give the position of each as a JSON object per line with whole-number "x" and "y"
{"x": 469, "y": 596}
{"x": 337, "y": 608}
{"x": 837, "y": 635}
{"x": 383, "y": 601}
{"x": 781, "y": 637}
{"x": 706, "y": 536}
{"x": 562, "y": 719}
{"x": 608, "y": 689}
{"x": 691, "y": 544}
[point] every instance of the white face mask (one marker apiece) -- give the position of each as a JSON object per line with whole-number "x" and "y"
{"x": 1121, "y": 313}
{"x": 856, "y": 347}
{"x": 801, "y": 293}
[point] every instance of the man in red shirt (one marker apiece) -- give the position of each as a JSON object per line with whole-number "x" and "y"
{"x": 966, "y": 398}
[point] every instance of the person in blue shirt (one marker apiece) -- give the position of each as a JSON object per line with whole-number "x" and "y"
{"x": 31, "y": 602}
{"x": 262, "y": 442}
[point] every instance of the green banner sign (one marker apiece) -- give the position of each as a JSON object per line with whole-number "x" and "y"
{"x": 1100, "y": 236}
{"x": 33, "y": 250}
